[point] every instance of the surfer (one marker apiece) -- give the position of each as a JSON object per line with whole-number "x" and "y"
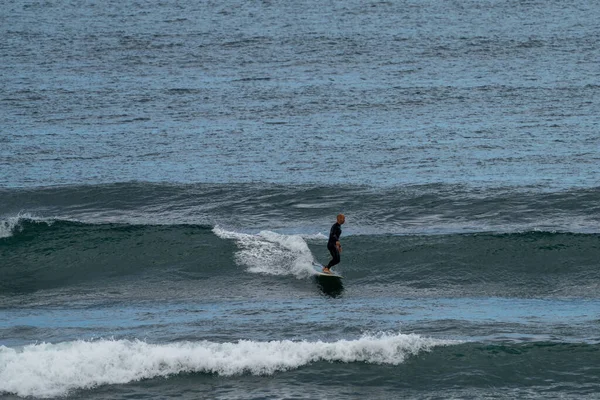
{"x": 333, "y": 245}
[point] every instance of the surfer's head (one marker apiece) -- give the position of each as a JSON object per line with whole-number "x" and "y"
{"x": 341, "y": 219}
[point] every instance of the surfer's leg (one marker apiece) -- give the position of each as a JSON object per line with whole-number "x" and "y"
{"x": 335, "y": 254}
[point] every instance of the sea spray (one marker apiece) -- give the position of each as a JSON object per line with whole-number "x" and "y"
{"x": 271, "y": 253}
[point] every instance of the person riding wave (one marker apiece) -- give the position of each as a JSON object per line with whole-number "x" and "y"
{"x": 333, "y": 244}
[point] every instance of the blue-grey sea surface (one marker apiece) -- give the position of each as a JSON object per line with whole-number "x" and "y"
{"x": 365, "y": 92}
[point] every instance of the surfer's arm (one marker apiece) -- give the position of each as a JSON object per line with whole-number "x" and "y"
{"x": 336, "y": 234}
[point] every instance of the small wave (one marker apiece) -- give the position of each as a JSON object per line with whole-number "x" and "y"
{"x": 10, "y": 225}
{"x": 48, "y": 370}
{"x": 405, "y": 210}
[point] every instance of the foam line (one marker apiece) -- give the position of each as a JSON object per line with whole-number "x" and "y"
{"x": 47, "y": 370}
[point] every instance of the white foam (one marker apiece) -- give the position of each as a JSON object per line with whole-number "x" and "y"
{"x": 271, "y": 253}
{"x": 48, "y": 370}
{"x": 9, "y": 225}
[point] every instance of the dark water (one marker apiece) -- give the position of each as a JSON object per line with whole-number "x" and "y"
{"x": 154, "y": 290}
{"x": 169, "y": 171}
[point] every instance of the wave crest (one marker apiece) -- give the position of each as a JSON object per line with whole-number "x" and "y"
{"x": 47, "y": 370}
{"x": 10, "y": 225}
{"x": 271, "y": 253}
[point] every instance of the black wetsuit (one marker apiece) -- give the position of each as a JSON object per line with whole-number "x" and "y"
{"x": 334, "y": 237}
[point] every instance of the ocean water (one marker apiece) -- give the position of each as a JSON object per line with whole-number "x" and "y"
{"x": 169, "y": 172}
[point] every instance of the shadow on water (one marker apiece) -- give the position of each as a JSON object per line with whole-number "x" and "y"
{"x": 330, "y": 286}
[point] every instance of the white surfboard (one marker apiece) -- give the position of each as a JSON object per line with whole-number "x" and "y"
{"x": 319, "y": 271}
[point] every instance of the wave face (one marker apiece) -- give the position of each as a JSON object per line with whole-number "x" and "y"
{"x": 45, "y": 255}
{"x": 442, "y": 240}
